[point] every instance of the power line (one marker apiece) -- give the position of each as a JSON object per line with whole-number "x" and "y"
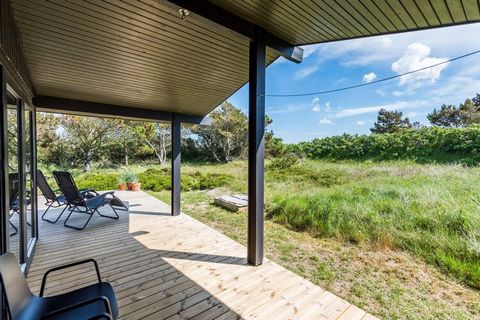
{"x": 373, "y": 82}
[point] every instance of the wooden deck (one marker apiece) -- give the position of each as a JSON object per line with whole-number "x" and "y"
{"x": 164, "y": 267}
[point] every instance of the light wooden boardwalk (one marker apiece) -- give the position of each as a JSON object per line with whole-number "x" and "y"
{"x": 164, "y": 267}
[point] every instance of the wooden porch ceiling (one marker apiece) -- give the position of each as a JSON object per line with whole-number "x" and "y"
{"x": 142, "y": 54}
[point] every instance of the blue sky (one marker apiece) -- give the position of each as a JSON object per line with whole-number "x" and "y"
{"x": 339, "y": 64}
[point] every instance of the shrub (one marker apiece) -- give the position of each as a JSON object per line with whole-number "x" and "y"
{"x": 97, "y": 181}
{"x": 155, "y": 180}
{"x": 214, "y": 180}
{"x": 432, "y": 144}
{"x": 158, "y": 180}
{"x": 288, "y": 160}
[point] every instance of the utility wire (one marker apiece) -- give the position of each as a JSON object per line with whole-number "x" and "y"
{"x": 373, "y": 82}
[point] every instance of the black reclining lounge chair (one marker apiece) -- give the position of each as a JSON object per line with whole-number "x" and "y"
{"x": 54, "y": 201}
{"x": 13, "y": 199}
{"x": 77, "y": 203}
{"x": 96, "y": 301}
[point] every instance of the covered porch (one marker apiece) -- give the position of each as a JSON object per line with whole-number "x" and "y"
{"x": 164, "y": 267}
{"x": 172, "y": 61}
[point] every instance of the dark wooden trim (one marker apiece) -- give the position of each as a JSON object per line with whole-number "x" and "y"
{"x": 256, "y": 148}
{"x": 89, "y": 108}
{"x": 176, "y": 161}
{"x": 4, "y": 205}
{"x": 230, "y": 21}
{"x": 12, "y": 55}
{"x": 33, "y": 153}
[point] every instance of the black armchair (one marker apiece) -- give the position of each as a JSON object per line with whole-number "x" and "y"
{"x": 96, "y": 301}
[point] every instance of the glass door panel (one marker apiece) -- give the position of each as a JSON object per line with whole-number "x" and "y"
{"x": 13, "y": 179}
{"x": 28, "y": 175}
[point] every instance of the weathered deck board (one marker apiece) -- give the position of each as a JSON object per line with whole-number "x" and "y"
{"x": 164, "y": 267}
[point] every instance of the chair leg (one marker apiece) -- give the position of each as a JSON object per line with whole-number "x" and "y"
{"x": 14, "y": 228}
{"x": 52, "y": 221}
{"x": 75, "y": 227}
{"x": 116, "y": 217}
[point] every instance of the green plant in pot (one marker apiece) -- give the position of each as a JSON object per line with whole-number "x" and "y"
{"x": 132, "y": 181}
{"x": 121, "y": 184}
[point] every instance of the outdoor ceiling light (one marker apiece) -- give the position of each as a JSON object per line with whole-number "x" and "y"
{"x": 183, "y": 13}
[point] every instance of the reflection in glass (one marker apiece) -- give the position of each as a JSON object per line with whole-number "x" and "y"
{"x": 28, "y": 174}
{"x": 13, "y": 183}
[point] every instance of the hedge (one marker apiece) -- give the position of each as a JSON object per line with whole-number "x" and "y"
{"x": 431, "y": 144}
{"x": 158, "y": 180}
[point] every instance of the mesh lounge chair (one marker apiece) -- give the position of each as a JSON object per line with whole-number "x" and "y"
{"x": 96, "y": 301}
{"x": 14, "y": 204}
{"x": 77, "y": 203}
{"x": 54, "y": 201}
{"x": 14, "y": 200}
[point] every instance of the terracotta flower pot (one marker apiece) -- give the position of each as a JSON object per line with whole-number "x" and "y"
{"x": 136, "y": 186}
{"x": 129, "y": 185}
{"x": 122, "y": 187}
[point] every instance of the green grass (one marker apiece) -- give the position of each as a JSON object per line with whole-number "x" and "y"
{"x": 430, "y": 211}
{"x": 399, "y": 239}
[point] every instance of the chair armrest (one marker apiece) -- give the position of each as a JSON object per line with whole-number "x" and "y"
{"x": 83, "y": 191}
{"x": 44, "y": 280}
{"x": 103, "y": 315}
{"x": 103, "y": 195}
{"x": 108, "y": 314}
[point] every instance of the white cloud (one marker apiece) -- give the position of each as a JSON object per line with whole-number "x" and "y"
{"x": 362, "y": 52}
{"x": 285, "y": 109}
{"x": 328, "y": 107}
{"x": 381, "y": 92}
{"x": 360, "y": 123}
{"x": 416, "y": 57}
{"x": 302, "y": 73}
{"x": 412, "y": 114}
{"x": 315, "y": 105}
{"x": 349, "y": 112}
{"x": 325, "y": 121}
{"x": 369, "y": 77}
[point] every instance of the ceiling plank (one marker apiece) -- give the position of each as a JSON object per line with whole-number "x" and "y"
{"x": 225, "y": 18}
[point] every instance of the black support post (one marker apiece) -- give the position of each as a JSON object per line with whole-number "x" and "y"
{"x": 256, "y": 147}
{"x": 33, "y": 163}
{"x": 176, "y": 157}
{"x": 4, "y": 205}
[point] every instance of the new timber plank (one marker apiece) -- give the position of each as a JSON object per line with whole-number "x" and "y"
{"x": 164, "y": 267}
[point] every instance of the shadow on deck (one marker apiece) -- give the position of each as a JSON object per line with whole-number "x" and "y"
{"x": 164, "y": 267}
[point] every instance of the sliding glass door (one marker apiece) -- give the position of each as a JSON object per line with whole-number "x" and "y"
{"x": 22, "y": 205}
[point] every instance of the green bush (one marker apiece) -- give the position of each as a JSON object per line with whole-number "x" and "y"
{"x": 158, "y": 180}
{"x": 97, "y": 181}
{"x": 214, "y": 180}
{"x": 155, "y": 180}
{"x": 286, "y": 161}
{"x": 432, "y": 144}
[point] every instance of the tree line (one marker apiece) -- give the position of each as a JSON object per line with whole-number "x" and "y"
{"x": 72, "y": 141}
{"x": 447, "y": 116}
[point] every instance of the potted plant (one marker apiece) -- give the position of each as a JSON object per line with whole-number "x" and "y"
{"x": 136, "y": 186}
{"x": 121, "y": 184}
{"x": 130, "y": 178}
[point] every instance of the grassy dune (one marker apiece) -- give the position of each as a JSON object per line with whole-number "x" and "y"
{"x": 430, "y": 211}
{"x": 400, "y": 239}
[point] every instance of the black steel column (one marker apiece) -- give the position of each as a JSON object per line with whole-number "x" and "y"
{"x": 33, "y": 164}
{"x": 256, "y": 147}
{"x": 22, "y": 181}
{"x": 176, "y": 157}
{"x": 4, "y": 205}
